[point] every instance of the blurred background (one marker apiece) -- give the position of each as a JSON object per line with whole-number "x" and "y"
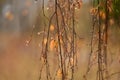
{"x": 17, "y": 15}
{"x": 21, "y": 62}
{"x": 18, "y": 62}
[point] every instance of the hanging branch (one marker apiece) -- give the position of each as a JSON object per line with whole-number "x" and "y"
{"x": 44, "y": 54}
{"x": 91, "y": 44}
{"x": 106, "y": 35}
{"x": 58, "y": 32}
{"x": 102, "y": 39}
{"x": 65, "y": 43}
{"x": 73, "y": 40}
{"x": 100, "y": 72}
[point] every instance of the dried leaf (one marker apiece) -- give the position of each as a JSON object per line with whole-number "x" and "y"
{"x": 9, "y": 16}
{"x": 71, "y": 61}
{"x": 111, "y": 21}
{"x": 53, "y": 44}
{"x": 103, "y": 16}
{"x": 59, "y": 73}
{"x": 45, "y": 41}
{"x": 52, "y": 28}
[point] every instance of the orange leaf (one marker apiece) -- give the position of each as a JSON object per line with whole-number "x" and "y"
{"x": 9, "y": 16}
{"x": 52, "y": 28}
{"x": 111, "y": 21}
{"x": 103, "y": 16}
{"x": 52, "y": 44}
{"x": 45, "y": 40}
{"x": 59, "y": 73}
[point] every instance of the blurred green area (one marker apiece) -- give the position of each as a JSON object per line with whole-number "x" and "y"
{"x": 115, "y": 7}
{"x": 116, "y": 10}
{"x": 1, "y": 4}
{"x": 1, "y": 1}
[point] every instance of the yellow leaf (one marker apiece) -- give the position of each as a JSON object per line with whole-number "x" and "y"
{"x": 103, "y": 16}
{"x": 61, "y": 41}
{"x": 111, "y": 21}
{"x": 101, "y": 12}
{"x": 52, "y": 44}
{"x": 93, "y": 11}
{"x": 59, "y": 73}
{"x": 71, "y": 61}
{"x": 45, "y": 41}
{"x": 9, "y": 16}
